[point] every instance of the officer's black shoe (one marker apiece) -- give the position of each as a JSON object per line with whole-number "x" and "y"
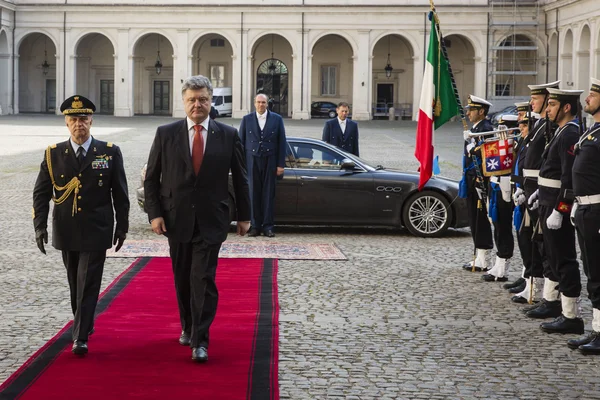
{"x": 80, "y": 347}
{"x": 517, "y": 289}
{"x": 184, "y": 339}
{"x": 563, "y": 324}
{"x": 253, "y": 232}
{"x": 469, "y": 268}
{"x": 532, "y": 307}
{"x": 519, "y": 300}
{"x": 580, "y": 341}
{"x": 593, "y": 347}
{"x": 492, "y": 278}
{"x": 518, "y": 282}
{"x": 200, "y": 354}
{"x": 269, "y": 233}
{"x": 547, "y": 309}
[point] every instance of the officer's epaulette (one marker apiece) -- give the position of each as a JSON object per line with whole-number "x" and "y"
{"x": 109, "y": 144}
{"x": 53, "y": 146}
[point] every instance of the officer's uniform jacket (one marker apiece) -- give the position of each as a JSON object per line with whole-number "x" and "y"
{"x": 558, "y": 166}
{"x": 347, "y": 141}
{"x": 83, "y": 217}
{"x": 270, "y": 141}
{"x": 536, "y": 143}
{"x": 586, "y": 167}
{"x": 483, "y": 126}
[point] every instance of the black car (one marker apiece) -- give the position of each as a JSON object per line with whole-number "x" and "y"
{"x": 323, "y": 185}
{"x": 495, "y": 117}
{"x": 323, "y": 109}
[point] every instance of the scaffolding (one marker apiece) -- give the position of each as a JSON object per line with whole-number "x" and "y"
{"x": 513, "y": 31}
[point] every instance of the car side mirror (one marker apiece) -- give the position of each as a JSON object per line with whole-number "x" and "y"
{"x": 348, "y": 164}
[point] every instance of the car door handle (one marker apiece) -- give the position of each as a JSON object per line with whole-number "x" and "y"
{"x": 308, "y": 178}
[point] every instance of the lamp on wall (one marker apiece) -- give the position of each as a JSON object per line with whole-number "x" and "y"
{"x": 45, "y": 65}
{"x": 158, "y": 64}
{"x": 388, "y": 68}
{"x": 272, "y": 67}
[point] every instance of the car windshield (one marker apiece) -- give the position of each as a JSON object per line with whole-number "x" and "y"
{"x": 314, "y": 156}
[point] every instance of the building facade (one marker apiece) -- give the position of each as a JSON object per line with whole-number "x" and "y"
{"x": 131, "y": 58}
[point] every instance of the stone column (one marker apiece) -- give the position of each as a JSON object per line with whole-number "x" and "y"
{"x": 182, "y": 68}
{"x": 301, "y": 107}
{"x": 242, "y": 77}
{"x": 418, "y": 68}
{"x": 361, "y": 111}
{"x": 123, "y": 76}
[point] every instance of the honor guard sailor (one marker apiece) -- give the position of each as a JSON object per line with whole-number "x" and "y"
{"x": 555, "y": 196}
{"x": 85, "y": 179}
{"x": 474, "y": 184}
{"x": 586, "y": 215}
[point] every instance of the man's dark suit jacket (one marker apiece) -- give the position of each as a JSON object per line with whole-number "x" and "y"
{"x": 103, "y": 186}
{"x": 273, "y": 142}
{"x": 347, "y": 141}
{"x": 174, "y": 192}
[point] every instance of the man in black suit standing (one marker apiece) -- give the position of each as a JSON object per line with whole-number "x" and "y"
{"x": 263, "y": 136}
{"x": 85, "y": 179}
{"x": 187, "y": 199}
{"x": 342, "y": 131}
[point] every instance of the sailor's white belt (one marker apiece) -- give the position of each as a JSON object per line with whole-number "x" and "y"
{"x": 593, "y": 199}
{"x": 531, "y": 173}
{"x": 551, "y": 183}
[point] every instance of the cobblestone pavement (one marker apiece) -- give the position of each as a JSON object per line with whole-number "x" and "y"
{"x": 397, "y": 320}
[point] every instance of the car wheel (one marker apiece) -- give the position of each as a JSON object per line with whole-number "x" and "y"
{"x": 427, "y": 214}
{"x": 332, "y": 114}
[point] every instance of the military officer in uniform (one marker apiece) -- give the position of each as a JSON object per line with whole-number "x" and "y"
{"x": 555, "y": 195}
{"x": 263, "y": 137}
{"x": 342, "y": 131}
{"x": 85, "y": 179}
{"x": 476, "y": 183}
{"x": 586, "y": 215}
{"x": 541, "y": 276}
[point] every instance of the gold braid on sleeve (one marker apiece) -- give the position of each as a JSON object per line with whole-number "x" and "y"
{"x": 69, "y": 188}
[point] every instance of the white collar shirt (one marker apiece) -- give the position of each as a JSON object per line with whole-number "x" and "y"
{"x": 192, "y": 132}
{"x": 262, "y": 119}
{"x": 85, "y": 145}
{"x": 342, "y": 125}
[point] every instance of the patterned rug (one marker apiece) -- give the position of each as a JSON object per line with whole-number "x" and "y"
{"x": 282, "y": 251}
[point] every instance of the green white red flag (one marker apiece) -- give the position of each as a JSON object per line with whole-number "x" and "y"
{"x": 438, "y": 102}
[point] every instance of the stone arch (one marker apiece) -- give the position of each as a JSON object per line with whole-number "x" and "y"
{"x": 566, "y": 60}
{"x": 583, "y": 59}
{"x": 515, "y": 65}
{"x": 277, "y": 83}
{"x": 37, "y": 73}
{"x": 105, "y": 33}
{"x": 332, "y": 73}
{"x": 5, "y": 73}
{"x": 212, "y": 57}
{"x": 477, "y": 46}
{"x": 95, "y": 70}
{"x": 353, "y": 45}
{"x": 392, "y": 74}
{"x": 283, "y": 34}
{"x": 153, "y": 74}
{"x": 553, "y": 58}
{"x": 461, "y": 54}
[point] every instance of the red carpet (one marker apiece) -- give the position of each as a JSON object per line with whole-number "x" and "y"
{"x": 135, "y": 353}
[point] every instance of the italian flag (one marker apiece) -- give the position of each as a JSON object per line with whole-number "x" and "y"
{"x": 438, "y": 102}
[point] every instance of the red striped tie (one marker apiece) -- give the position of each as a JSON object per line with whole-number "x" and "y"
{"x": 197, "y": 149}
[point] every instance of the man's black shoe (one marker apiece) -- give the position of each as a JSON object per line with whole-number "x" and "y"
{"x": 519, "y": 300}
{"x": 580, "y": 341}
{"x": 492, "y": 278}
{"x": 80, "y": 347}
{"x": 533, "y": 306}
{"x": 269, "y": 233}
{"x": 548, "y": 309}
{"x": 563, "y": 324}
{"x": 517, "y": 289}
{"x": 518, "y": 282}
{"x": 184, "y": 339}
{"x": 469, "y": 268}
{"x": 200, "y": 354}
{"x": 593, "y": 347}
{"x": 253, "y": 232}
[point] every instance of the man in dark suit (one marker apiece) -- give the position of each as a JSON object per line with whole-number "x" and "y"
{"x": 341, "y": 131}
{"x": 263, "y": 136}
{"x": 187, "y": 199}
{"x": 85, "y": 178}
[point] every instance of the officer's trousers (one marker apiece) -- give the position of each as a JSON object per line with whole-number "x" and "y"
{"x": 262, "y": 178}
{"x": 481, "y": 230}
{"x": 587, "y": 221}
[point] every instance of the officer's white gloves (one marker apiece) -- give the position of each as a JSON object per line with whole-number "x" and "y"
{"x": 470, "y": 147}
{"x": 554, "y": 221}
{"x": 573, "y": 211}
{"x": 466, "y": 135}
{"x": 519, "y": 197}
{"x": 533, "y": 200}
